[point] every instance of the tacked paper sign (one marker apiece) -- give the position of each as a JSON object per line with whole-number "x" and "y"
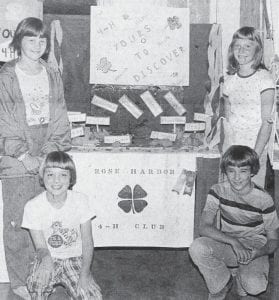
{"x": 151, "y": 103}
{"x": 130, "y": 106}
{"x": 79, "y": 117}
{"x": 194, "y": 126}
{"x": 177, "y": 106}
{"x": 163, "y": 136}
{"x": 75, "y": 132}
{"x": 97, "y": 120}
{"x": 122, "y": 139}
{"x": 172, "y": 120}
{"x": 201, "y": 117}
{"x": 105, "y": 104}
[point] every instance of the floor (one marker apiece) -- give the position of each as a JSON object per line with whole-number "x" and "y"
{"x": 143, "y": 274}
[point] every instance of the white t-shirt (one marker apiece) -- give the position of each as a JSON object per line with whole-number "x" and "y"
{"x": 61, "y": 227}
{"x": 244, "y": 116}
{"x": 35, "y": 92}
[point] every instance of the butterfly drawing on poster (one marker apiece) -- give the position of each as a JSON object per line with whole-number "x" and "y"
{"x": 174, "y": 23}
{"x": 132, "y": 199}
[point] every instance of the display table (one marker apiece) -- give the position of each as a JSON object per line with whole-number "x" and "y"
{"x": 144, "y": 198}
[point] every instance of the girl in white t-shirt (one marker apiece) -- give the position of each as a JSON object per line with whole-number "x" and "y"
{"x": 249, "y": 97}
{"x": 59, "y": 222}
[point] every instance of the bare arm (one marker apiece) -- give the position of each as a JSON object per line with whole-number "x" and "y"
{"x": 87, "y": 247}
{"x": 270, "y": 246}
{"x": 226, "y": 107}
{"x": 86, "y": 280}
{"x": 267, "y": 100}
{"x": 46, "y": 268}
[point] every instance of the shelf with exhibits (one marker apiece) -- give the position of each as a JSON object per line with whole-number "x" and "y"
{"x": 89, "y": 139}
{"x": 119, "y": 149}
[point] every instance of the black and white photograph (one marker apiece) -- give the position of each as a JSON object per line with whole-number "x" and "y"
{"x": 139, "y": 149}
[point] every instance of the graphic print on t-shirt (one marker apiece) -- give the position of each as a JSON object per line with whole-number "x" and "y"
{"x": 62, "y": 236}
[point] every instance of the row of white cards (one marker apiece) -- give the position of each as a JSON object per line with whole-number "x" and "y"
{"x": 78, "y": 117}
{"x": 204, "y": 122}
{"x": 133, "y": 109}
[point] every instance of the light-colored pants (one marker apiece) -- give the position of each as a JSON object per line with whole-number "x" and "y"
{"x": 215, "y": 261}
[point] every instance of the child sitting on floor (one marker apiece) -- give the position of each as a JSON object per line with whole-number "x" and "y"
{"x": 248, "y": 231}
{"x": 59, "y": 221}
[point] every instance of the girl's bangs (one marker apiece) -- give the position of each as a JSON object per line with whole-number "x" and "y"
{"x": 41, "y": 32}
{"x": 57, "y": 164}
{"x": 239, "y": 163}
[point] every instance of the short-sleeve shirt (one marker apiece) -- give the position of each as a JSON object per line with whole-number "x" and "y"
{"x": 244, "y": 97}
{"x": 61, "y": 227}
{"x": 246, "y": 217}
{"x": 35, "y": 93}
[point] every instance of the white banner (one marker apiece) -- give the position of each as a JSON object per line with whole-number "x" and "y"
{"x": 11, "y": 13}
{"x": 141, "y": 199}
{"x": 136, "y": 45}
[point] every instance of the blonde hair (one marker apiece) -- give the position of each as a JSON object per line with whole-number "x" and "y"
{"x": 251, "y": 34}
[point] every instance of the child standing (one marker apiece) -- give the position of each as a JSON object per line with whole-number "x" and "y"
{"x": 33, "y": 122}
{"x": 249, "y": 97}
{"x": 248, "y": 231}
{"x": 59, "y": 221}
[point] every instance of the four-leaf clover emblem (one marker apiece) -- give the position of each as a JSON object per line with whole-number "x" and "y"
{"x": 132, "y": 199}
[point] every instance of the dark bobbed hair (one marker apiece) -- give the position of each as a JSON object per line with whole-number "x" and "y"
{"x": 30, "y": 27}
{"x": 58, "y": 159}
{"x": 240, "y": 156}
{"x": 251, "y": 34}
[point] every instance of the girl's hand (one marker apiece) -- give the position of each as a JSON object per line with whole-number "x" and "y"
{"x": 88, "y": 284}
{"x": 44, "y": 272}
{"x": 31, "y": 163}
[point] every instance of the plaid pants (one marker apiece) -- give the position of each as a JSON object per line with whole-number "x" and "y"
{"x": 66, "y": 273}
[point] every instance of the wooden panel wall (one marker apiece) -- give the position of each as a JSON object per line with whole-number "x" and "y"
{"x": 250, "y": 13}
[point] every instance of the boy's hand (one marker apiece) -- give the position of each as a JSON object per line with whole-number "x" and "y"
{"x": 243, "y": 255}
{"x": 87, "y": 283}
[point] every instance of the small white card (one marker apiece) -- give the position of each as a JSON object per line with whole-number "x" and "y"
{"x": 177, "y": 106}
{"x": 74, "y": 113}
{"x": 130, "y": 106}
{"x": 97, "y": 120}
{"x": 173, "y": 120}
{"x": 163, "y": 136}
{"x": 77, "y": 117}
{"x": 194, "y": 127}
{"x": 75, "y": 132}
{"x": 201, "y": 117}
{"x": 103, "y": 103}
{"x": 123, "y": 139}
{"x": 151, "y": 103}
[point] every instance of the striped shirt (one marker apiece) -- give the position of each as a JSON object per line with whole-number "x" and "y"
{"x": 246, "y": 217}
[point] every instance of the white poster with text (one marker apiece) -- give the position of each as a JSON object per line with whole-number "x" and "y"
{"x": 136, "y": 45}
{"x": 141, "y": 199}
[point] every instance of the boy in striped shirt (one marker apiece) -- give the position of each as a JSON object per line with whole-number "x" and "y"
{"x": 247, "y": 233}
